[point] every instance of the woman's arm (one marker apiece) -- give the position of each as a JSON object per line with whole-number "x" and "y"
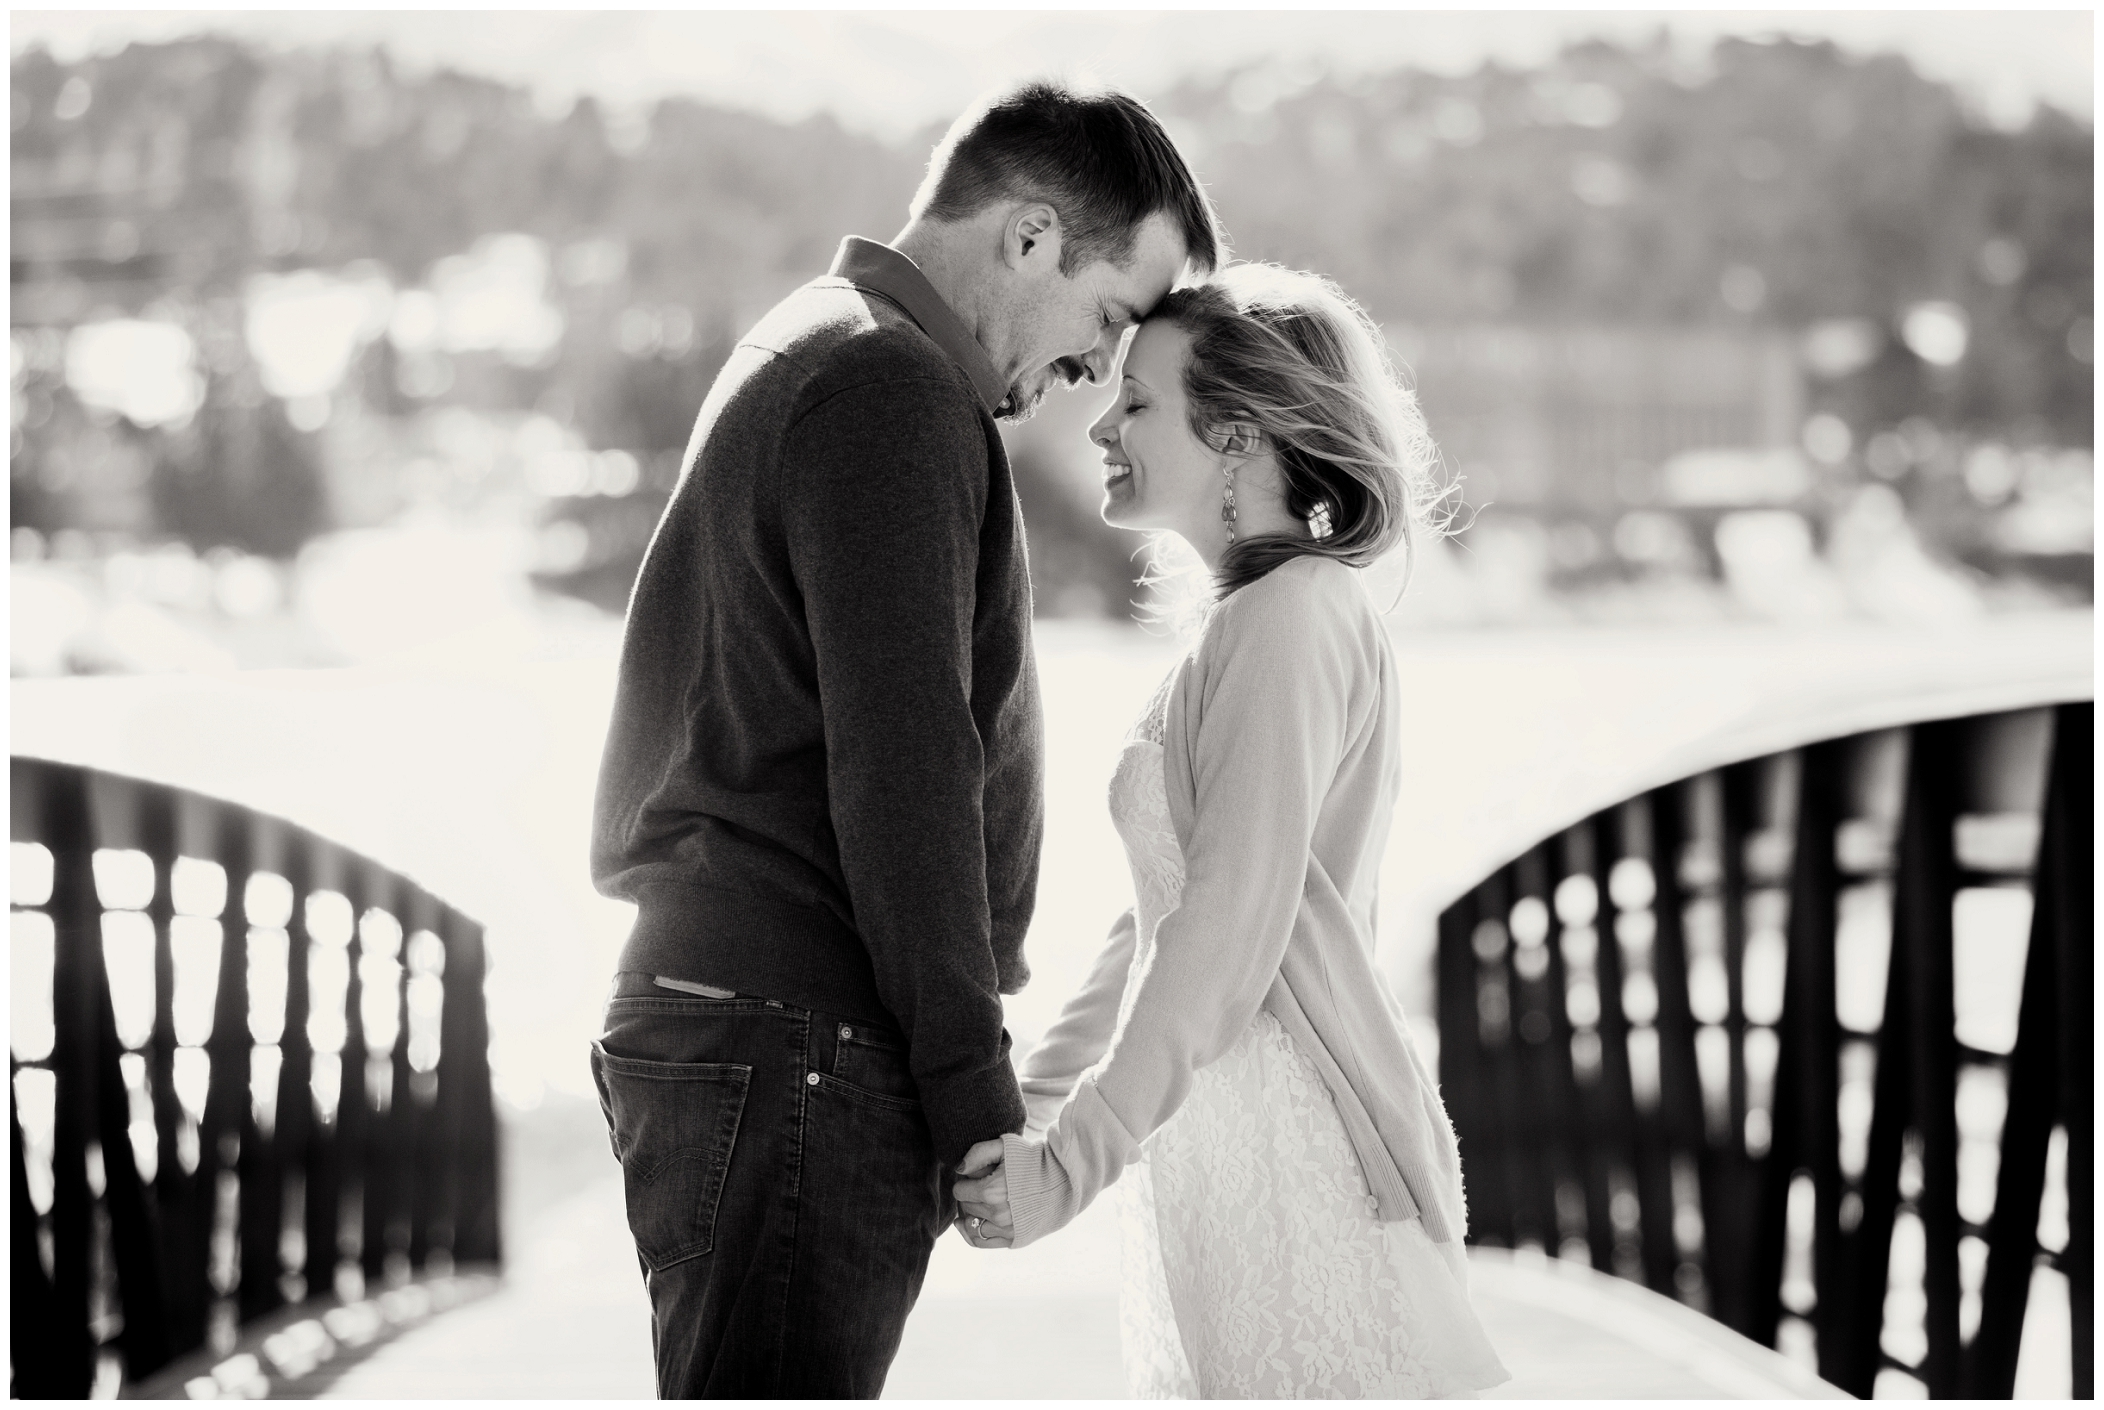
{"x": 1074, "y": 1043}
{"x": 1276, "y": 676}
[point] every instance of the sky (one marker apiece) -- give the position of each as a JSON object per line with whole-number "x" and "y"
{"x": 894, "y": 72}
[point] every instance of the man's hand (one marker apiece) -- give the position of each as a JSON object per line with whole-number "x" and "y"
{"x": 982, "y": 1198}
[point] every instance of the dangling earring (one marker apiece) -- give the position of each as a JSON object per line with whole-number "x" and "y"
{"x": 1227, "y": 502}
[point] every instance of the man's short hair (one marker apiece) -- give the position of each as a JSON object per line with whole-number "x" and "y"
{"x": 1101, "y": 160}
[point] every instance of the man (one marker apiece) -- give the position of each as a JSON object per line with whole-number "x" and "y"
{"x": 821, "y": 785}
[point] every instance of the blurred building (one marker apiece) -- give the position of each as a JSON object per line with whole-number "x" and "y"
{"x": 1636, "y": 470}
{"x": 1570, "y": 419}
{"x": 1783, "y": 334}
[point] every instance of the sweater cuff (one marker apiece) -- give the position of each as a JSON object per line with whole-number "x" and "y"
{"x": 974, "y": 1107}
{"x": 1050, "y": 1182}
{"x": 1040, "y": 1197}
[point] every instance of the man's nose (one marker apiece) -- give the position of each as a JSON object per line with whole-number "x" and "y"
{"x": 1097, "y": 363}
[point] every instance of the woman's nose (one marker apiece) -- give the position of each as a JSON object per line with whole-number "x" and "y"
{"x": 1104, "y": 433}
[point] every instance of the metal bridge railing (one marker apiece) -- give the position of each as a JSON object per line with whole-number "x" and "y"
{"x": 1804, "y": 1041}
{"x": 250, "y": 1071}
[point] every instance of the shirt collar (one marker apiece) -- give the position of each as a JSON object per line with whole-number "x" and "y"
{"x": 883, "y": 270}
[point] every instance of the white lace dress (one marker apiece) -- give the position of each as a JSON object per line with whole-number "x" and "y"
{"x": 1253, "y": 1264}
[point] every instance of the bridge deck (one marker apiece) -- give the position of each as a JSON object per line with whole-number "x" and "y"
{"x": 1038, "y": 1324}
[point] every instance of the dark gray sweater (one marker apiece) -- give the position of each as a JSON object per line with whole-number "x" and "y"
{"x": 822, "y": 783}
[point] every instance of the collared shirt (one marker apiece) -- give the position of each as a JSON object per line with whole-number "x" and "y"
{"x": 883, "y": 270}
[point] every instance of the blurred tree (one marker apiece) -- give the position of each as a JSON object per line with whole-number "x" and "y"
{"x": 239, "y": 475}
{"x": 1782, "y": 183}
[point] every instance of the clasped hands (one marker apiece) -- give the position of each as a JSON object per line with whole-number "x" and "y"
{"x": 982, "y": 1198}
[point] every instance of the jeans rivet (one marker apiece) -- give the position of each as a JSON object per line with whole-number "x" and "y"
{"x": 810, "y": 1079}
{"x": 846, "y": 1032}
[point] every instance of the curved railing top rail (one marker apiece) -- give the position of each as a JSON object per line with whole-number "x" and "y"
{"x": 1819, "y": 719}
{"x": 1863, "y": 683}
{"x": 275, "y": 841}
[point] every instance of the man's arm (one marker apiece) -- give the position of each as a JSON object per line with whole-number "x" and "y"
{"x": 883, "y": 494}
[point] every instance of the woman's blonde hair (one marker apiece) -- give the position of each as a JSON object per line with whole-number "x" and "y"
{"x": 1291, "y": 357}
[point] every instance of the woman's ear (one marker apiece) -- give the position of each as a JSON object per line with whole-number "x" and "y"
{"x": 1243, "y": 441}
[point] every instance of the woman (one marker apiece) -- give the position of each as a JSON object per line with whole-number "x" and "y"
{"x": 1294, "y": 1226}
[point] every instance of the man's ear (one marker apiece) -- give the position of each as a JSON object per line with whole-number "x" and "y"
{"x": 1031, "y": 233}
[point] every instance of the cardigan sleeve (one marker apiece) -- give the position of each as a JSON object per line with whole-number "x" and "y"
{"x": 1274, "y": 676}
{"x": 1074, "y": 1043}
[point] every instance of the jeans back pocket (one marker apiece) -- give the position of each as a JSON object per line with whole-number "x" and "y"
{"x": 674, "y": 1125}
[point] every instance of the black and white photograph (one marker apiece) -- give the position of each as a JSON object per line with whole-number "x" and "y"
{"x": 995, "y": 704}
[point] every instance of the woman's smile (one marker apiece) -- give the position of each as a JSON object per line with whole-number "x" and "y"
{"x": 1146, "y": 424}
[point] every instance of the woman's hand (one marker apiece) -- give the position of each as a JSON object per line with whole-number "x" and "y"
{"x": 982, "y": 1198}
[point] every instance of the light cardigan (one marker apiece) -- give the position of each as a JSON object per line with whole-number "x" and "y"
{"x": 1281, "y": 752}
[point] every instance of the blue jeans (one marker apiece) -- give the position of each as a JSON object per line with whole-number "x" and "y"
{"x": 782, "y": 1188}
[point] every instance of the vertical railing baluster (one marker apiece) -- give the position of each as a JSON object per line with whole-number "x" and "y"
{"x": 1806, "y": 1133}
{"x": 76, "y": 917}
{"x": 261, "y": 1172}
{"x": 346, "y": 1242}
{"x": 134, "y": 1233}
{"x": 1526, "y": 1105}
{"x": 228, "y": 1124}
{"x": 36, "y": 1324}
{"x": 403, "y": 1236}
{"x": 1926, "y": 886}
{"x": 295, "y": 1110}
{"x": 419, "y": 1089}
{"x": 402, "y": 1109}
{"x": 2072, "y": 901}
{"x": 1869, "y": 1253}
{"x": 442, "y": 1171}
{"x": 1551, "y": 1077}
{"x": 2038, "y": 1087}
{"x": 1708, "y": 814}
{"x": 1652, "y": 1145}
{"x": 382, "y": 1147}
{"x": 1679, "y": 1076}
{"x": 35, "y": 1328}
{"x": 478, "y": 1234}
{"x": 1617, "y": 1096}
{"x": 133, "y": 1229}
{"x": 1769, "y": 1171}
{"x": 1522, "y": 1136}
{"x": 323, "y": 871}
{"x": 1739, "y": 789}
{"x": 175, "y": 1189}
{"x": 1594, "y": 1145}
{"x": 1531, "y": 1126}
{"x": 1814, "y": 920}
{"x": 1513, "y": 1140}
